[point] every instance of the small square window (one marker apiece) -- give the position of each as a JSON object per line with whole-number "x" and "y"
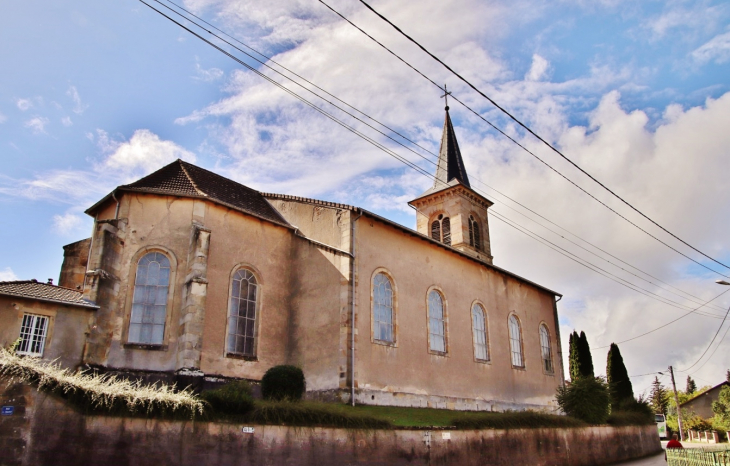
{"x": 32, "y": 335}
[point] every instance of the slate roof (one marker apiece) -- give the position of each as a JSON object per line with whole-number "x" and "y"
{"x": 32, "y": 289}
{"x": 181, "y": 178}
{"x": 451, "y": 165}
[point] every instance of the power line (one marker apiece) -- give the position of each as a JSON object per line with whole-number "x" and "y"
{"x": 513, "y": 140}
{"x": 398, "y": 157}
{"x": 512, "y": 117}
{"x": 708, "y": 346}
{"x": 668, "y": 323}
{"x": 396, "y": 132}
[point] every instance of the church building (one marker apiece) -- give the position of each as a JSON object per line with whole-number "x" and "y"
{"x": 194, "y": 275}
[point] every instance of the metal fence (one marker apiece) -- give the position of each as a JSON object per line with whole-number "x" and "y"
{"x": 697, "y": 457}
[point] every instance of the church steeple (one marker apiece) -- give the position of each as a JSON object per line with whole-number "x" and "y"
{"x": 451, "y": 212}
{"x": 450, "y": 165}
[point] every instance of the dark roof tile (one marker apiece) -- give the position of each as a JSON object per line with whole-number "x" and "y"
{"x": 32, "y": 289}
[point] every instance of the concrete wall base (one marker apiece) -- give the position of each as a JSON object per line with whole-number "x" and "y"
{"x": 48, "y": 432}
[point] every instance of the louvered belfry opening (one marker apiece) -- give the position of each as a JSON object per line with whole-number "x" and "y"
{"x": 441, "y": 229}
{"x": 474, "y": 235}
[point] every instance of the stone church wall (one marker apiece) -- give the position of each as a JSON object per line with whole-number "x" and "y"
{"x": 406, "y": 373}
{"x": 44, "y": 431}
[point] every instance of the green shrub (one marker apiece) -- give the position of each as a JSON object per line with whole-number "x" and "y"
{"x": 313, "y": 414}
{"x": 513, "y": 420}
{"x": 232, "y": 398}
{"x": 586, "y": 399}
{"x": 283, "y": 383}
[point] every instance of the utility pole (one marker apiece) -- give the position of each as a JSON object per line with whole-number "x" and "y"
{"x": 676, "y": 401}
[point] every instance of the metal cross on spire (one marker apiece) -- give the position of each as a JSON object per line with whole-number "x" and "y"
{"x": 446, "y": 96}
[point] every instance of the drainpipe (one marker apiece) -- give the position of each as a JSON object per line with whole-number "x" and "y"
{"x": 352, "y": 315}
{"x": 116, "y": 212}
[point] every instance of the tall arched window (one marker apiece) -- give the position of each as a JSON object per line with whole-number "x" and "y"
{"x": 242, "y": 311}
{"x": 515, "y": 342}
{"x": 479, "y": 327}
{"x": 149, "y": 304}
{"x": 546, "y": 350}
{"x": 383, "y": 308}
{"x": 436, "y": 322}
{"x": 441, "y": 229}
{"x": 475, "y": 239}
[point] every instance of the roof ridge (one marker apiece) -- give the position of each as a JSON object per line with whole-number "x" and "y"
{"x": 190, "y": 178}
{"x": 310, "y": 200}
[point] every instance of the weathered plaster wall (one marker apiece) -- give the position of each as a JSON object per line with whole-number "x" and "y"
{"x": 75, "y": 259}
{"x": 67, "y": 327}
{"x": 403, "y": 374}
{"x": 46, "y": 432}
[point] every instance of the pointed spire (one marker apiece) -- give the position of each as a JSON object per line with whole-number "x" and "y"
{"x": 451, "y": 165}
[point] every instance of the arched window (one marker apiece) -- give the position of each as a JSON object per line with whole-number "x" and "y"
{"x": 383, "y": 308}
{"x": 436, "y": 322}
{"x": 547, "y": 353}
{"x": 515, "y": 342}
{"x": 441, "y": 229}
{"x": 242, "y": 311}
{"x": 479, "y": 327}
{"x": 149, "y": 305}
{"x": 475, "y": 239}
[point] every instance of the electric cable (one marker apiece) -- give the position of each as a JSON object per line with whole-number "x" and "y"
{"x": 709, "y": 345}
{"x": 394, "y": 131}
{"x": 524, "y": 126}
{"x": 365, "y": 137}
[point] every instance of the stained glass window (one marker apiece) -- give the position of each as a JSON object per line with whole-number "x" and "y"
{"x": 479, "y": 326}
{"x": 149, "y": 305}
{"x": 436, "y": 323}
{"x": 515, "y": 342}
{"x": 383, "y": 308}
{"x": 242, "y": 312}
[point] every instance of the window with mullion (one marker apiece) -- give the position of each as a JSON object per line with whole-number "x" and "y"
{"x": 242, "y": 314}
{"x": 436, "y": 323}
{"x": 515, "y": 342}
{"x": 545, "y": 349}
{"x": 32, "y": 335}
{"x": 383, "y": 309}
{"x": 149, "y": 303}
{"x": 479, "y": 325}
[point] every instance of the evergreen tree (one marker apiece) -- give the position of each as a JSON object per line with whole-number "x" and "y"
{"x": 573, "y": 358}
{"x": 584, "y": 356}
{"x": 619, "y": 384}
{"x": 658, "y": 397}
{"x": 727, "y": 375}
{"x": 691, "y": 386}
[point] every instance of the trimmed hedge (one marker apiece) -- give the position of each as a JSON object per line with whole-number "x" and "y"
{"x": 283, "y": 383}
{"x": 233, "y": 398}
{"x": 514, "y": 420}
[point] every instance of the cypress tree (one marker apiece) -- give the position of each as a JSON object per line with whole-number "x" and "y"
{"x": 619, "y": 384}
{"x": 573, "y": 358}
{"x": 691, "y": 386}
{"x": 658, "y": 397}
{"x": 727, "y": 375}
{"x": 584, "y": 356}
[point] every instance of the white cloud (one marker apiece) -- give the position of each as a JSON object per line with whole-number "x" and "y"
{"x": 79, "y": 106}
{"x": 144, "y": 152}
{"x": 121, "y": 163}
{"x": 37, "y": 124}
{"x": 717, "y": 49}
{"x": 539, "y": 68}
{"x": 24, "y": 104}
{"x": 7, "y": 275}
{"x": 209, "y": 75}
{"x": 66, "y": 224}
{"x": 3, "y": 118}
{"x": 66, "y": 121}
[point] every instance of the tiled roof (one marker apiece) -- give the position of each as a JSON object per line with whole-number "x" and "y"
{"x": 32, "y": 289}
{"x": 184, "y": 179}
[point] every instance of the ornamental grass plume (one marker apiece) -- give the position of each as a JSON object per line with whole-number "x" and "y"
{"x": 99, "y": 392}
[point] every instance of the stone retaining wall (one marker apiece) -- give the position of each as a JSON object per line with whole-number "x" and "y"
{"x": 48, "y": 432}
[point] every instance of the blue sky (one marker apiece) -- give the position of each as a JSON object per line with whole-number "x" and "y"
{"x": 97, "y": 94}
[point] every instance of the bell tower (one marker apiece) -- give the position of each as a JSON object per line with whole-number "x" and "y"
{"x": 450, "y": 211}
